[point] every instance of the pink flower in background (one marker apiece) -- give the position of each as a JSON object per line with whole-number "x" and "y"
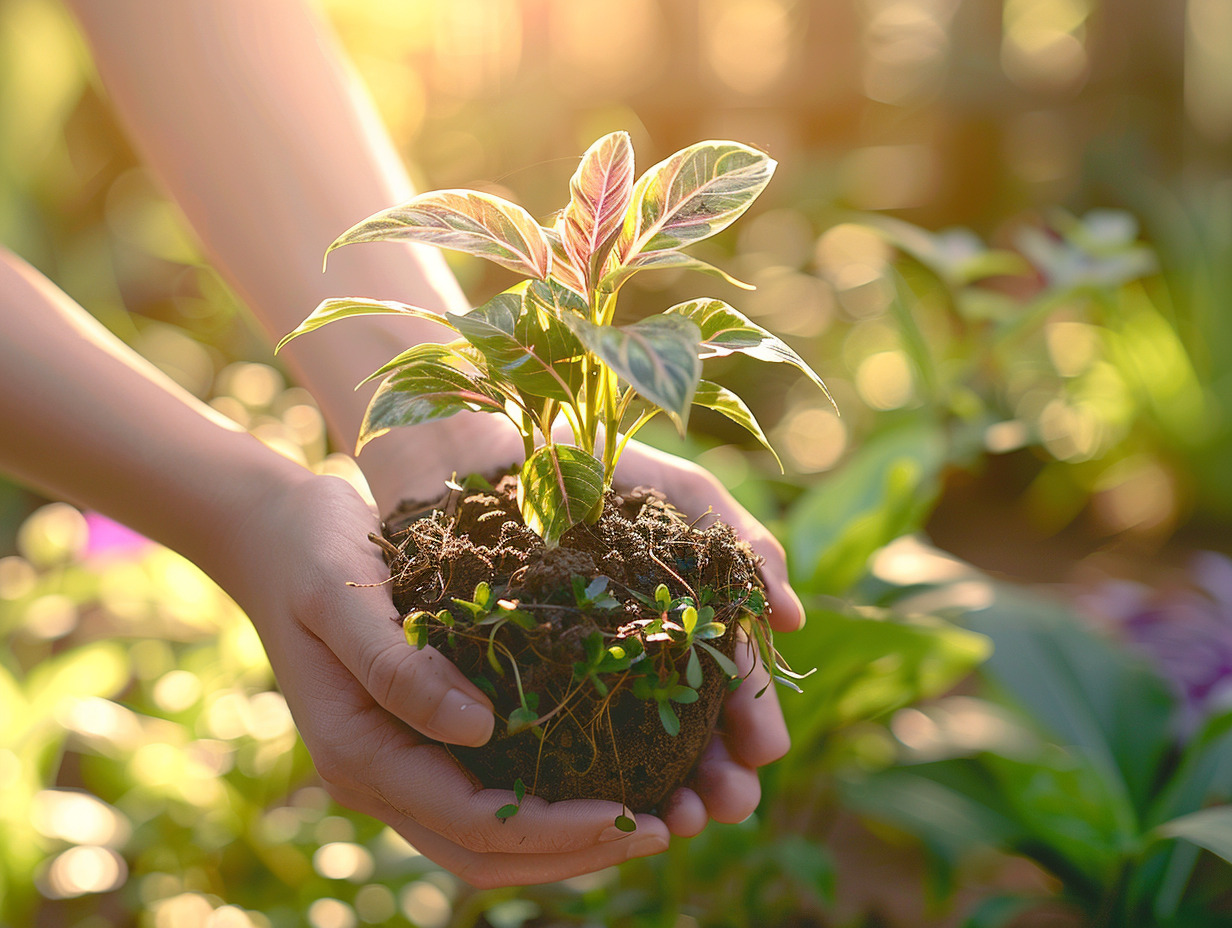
{"x": 1185, "y": 632}
{"x": 109, "y": 539}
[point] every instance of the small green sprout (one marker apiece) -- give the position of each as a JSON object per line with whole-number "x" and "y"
{"x": 648, "y": 687}
{"x": 594, "y": 596}
{"x": 510, "y": 809}
{"x": 615, "y": 658}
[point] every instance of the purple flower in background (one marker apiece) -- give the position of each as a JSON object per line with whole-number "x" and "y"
{"x": 108, "y": 538}
{"x": 1185, "y": 631}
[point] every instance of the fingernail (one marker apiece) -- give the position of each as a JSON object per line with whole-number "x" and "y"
{"x": 459, "y": 719}
{"x": 645, "y": 846}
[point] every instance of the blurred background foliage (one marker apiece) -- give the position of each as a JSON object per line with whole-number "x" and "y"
{"x": 999, "y": 230}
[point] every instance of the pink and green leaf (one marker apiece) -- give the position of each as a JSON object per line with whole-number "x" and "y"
{"x": 462, "y": 220}
{"x": 726, "y": 331}
{"x": 523, "y": 344}
{"x": 559, "y": 486}
{"x": 690, "y": 196}
{"x": 599, "y": 193}
{"x": 657, "y": 357}
{"x": 425, "y": 392}
{"x": 340, "y": 308}
{"x": 664, "y": 260}
{"x": 722, "y": 400}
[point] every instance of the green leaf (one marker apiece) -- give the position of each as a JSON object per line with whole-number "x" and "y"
{"x": 682, "y": 694}
{"x": 625, "y": 824}
{"x": 523, "y": 344}
{"x": 559, "y": 486}
{"x": 663, "y": 260}
{"x": 340, "y": 308}
{"x": 462, "y": 220}
{"x": 882, "y": 492}
{"x": 693, "y": 669}
{"x": 425, "y": 392}
{"x": 726, "y": 331}
{"x": 688, "y": 619}
{"x": 657, "y": 356}
{"x": 521, "y": 719}
{"x": 415, "y": 628}
{"x": 691, "y": 195}
{"x": 726, "y": 664}
{"x": 519, "y": 789}
{"x": 667, "y": 716}
{"x": 722, "y": 400}
{"x": 599, "y": 194}
{"x": 509, "y": 810}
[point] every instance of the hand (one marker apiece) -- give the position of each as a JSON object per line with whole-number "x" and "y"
{"x": 751, "y": 731}
{"x": 365, "y": 703}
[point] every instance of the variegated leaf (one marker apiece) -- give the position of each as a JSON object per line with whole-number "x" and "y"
{"x": 332, "y": 310}
{"x": 563, "y": 270}
{"x": 420, "y": 354}
{"x": 424, "y": 392}
{"x": 599, "y": 193}
{"x": 560, "y": 486}
{"x": 726, "y": 331}
{"x": 657, "y": 357}
{"x": 523, "y": 343}
{"x": 690, "y": 196}
{"x": 720, "y": 399}
{"x": 462, "y": 220}
{"x": 666, "y": 259}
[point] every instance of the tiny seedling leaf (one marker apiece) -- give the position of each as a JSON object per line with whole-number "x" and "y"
{"x": 625, "y": 824}
{"x": 506, "y": 811}
{"x": 669, "y": 719}
{"x": 693, "y": 670}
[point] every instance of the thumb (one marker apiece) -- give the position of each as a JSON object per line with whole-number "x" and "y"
{"x": 418, "y": 685}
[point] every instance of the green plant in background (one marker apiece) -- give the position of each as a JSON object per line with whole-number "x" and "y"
{"x": 1069, "y": 755}
{"x": 547, "y": 348}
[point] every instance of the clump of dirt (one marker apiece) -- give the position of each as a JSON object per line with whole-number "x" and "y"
{"x": 587, "y": 743}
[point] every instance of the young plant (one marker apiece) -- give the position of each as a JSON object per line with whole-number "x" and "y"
{"x": 546, "y": 349}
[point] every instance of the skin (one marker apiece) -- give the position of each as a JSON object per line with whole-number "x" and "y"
{"x": 270, "y": 158}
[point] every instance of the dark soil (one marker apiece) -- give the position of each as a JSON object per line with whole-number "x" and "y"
{"x": 611, "y": 748}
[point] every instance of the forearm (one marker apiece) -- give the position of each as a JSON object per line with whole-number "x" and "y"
{"x": 83, "y": 419}
{"x": 252, "y": 121}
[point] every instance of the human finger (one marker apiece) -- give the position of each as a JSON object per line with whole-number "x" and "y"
{"x": 729, "y": 789}
{"x": 684, "y": 813}
{"x": 753, "y": 725}
{"x": 494, "y": 869}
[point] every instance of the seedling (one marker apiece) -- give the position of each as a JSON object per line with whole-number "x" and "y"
{"x": 546, "y": 354}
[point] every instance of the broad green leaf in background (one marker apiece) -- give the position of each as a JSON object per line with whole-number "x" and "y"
{"x": 340, "y": 308}
{"x": 882, "y": 492}
{"x": 425, "y": 391}
{"x": 1087, "y": 693}
{"x": 656, "y": 356}
{"x": 870, "y": 663}
{"x": 559, "y": 486}
{"x": 720, "y": 399}
{"x": 521, "y": 343}
{"x": 689, "y": 196}
{"x": 599, "y": 194}
{"x": 726, "y": 331}
{"x": 1208, "y": 828}
{"x": 461, "y": 220}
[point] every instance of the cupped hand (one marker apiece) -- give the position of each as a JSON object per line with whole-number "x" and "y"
{"x": 751, "y": 731}
{"x": 366, "y": 704}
